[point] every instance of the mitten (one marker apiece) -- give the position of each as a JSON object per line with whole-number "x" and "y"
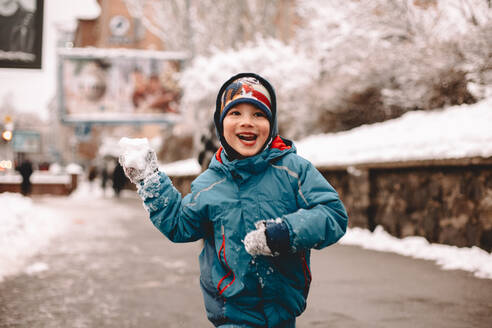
{"x": 138, "y": 160}
{"x": 271, "y": 238}
{"x": 255, "y": 241}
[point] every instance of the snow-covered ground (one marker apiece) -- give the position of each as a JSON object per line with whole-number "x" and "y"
{"x": 26, "y": 228}
{"x": 472, "y": 259}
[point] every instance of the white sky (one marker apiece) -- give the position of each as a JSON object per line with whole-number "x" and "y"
{"x": 31, "y": 90}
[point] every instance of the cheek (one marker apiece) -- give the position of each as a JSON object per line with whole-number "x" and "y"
{"x": 226, "y": 126}
{"x": 227, "y": 130}
{"x": 265, "y": 129}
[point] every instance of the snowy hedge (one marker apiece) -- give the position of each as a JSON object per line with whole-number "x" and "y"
{"x": 290, "y": 71}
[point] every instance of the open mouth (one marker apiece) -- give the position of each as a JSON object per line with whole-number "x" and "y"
{"x": 247, "y": 136}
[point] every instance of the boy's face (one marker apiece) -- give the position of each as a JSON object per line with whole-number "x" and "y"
{"x": 246, "y": 129}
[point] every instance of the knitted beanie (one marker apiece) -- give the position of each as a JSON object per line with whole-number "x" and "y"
{"x": 245, "y": 88}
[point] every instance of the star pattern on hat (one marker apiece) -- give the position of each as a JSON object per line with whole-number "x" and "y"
{"x": 246, "y": 91}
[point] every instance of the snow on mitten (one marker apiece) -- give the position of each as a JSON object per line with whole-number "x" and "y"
{"x": 271, "y": 238}
{"x": 255, "y": 241}
{"x": 138, "y": 160}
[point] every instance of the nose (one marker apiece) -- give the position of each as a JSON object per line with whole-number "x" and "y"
{"x": 246, "y": 120}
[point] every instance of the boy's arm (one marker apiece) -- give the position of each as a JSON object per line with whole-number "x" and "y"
{"x": 320, "y": 221}
{"x": 175, "y": 217}
{"x": 322, "y": 218}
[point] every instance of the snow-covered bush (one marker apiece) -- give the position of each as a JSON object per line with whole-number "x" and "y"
{"x": 290, "y": 71}
{"x": 381, "y": 58}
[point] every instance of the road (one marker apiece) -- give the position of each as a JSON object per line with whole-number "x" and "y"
{"x": 114, "y": 269}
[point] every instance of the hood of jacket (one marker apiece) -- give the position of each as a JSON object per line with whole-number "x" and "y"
{"x": 273, "y": 108}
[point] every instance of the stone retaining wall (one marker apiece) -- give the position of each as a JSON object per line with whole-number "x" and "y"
{"x": 445, "y": 203}
{"x": 450, "y": 205}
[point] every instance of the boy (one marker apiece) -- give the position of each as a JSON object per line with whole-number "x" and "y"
{"x": 259, "y": 208}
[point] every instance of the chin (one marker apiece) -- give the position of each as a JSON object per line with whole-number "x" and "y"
{"x": 248, "y": 153}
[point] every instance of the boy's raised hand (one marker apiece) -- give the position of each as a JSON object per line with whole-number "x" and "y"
{"x": 137, "y": 159}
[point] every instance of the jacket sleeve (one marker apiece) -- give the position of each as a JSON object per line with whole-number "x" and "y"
{"x": 180, "y": 219}
{"x": 321, "y": 219}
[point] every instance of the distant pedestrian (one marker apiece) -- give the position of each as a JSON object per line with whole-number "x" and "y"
{"x": 119, "y": 179}
{"x": 25, "y": 170}
{"x": 259, "y": 207}
{"x": 104, "y": 176}
{"x": 91, "y": 176}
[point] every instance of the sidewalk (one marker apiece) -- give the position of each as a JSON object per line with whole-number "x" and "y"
{"x": 114, "y": 269}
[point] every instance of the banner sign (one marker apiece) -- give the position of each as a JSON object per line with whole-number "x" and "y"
{"x": 118, "y": 85}
{"x": 26, "y": 141}
{"x": 21, "y": 33}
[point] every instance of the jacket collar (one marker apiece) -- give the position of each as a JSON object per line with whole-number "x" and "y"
{"x": 242, "y": 169}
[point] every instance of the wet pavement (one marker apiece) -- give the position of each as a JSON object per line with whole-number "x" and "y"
{"x": 114, "y": 269}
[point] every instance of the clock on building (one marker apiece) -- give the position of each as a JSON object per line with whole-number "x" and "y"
{"x": 119, "y": 25}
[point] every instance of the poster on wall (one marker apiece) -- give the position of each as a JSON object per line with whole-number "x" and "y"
{"x": 118, "y": 85}
{"x": 21, "y": 33}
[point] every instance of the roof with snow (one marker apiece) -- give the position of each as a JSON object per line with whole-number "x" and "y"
{"x": 92, "y": 52}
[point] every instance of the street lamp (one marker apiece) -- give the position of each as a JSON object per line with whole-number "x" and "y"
{"x": 7, "y": 135}
{"x": 8, "y": 128}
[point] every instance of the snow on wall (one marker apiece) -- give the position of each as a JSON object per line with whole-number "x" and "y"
{"x": 454, "y": 132}
{"x": 38, "y": 178}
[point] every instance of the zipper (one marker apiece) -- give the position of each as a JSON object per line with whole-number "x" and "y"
{"x": 222, "y": 253}
{"x": 306, "y": 271}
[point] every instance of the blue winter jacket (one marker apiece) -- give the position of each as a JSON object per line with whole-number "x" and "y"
{"x": 225, "y": 202}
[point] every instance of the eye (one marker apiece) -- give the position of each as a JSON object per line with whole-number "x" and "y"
{"x": 234, "y": 112}
{"x": 260, "y": 114}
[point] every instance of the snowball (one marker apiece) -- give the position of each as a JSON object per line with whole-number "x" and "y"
{"x": 255, "y": 242}
{"x": 134, "y": 152}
